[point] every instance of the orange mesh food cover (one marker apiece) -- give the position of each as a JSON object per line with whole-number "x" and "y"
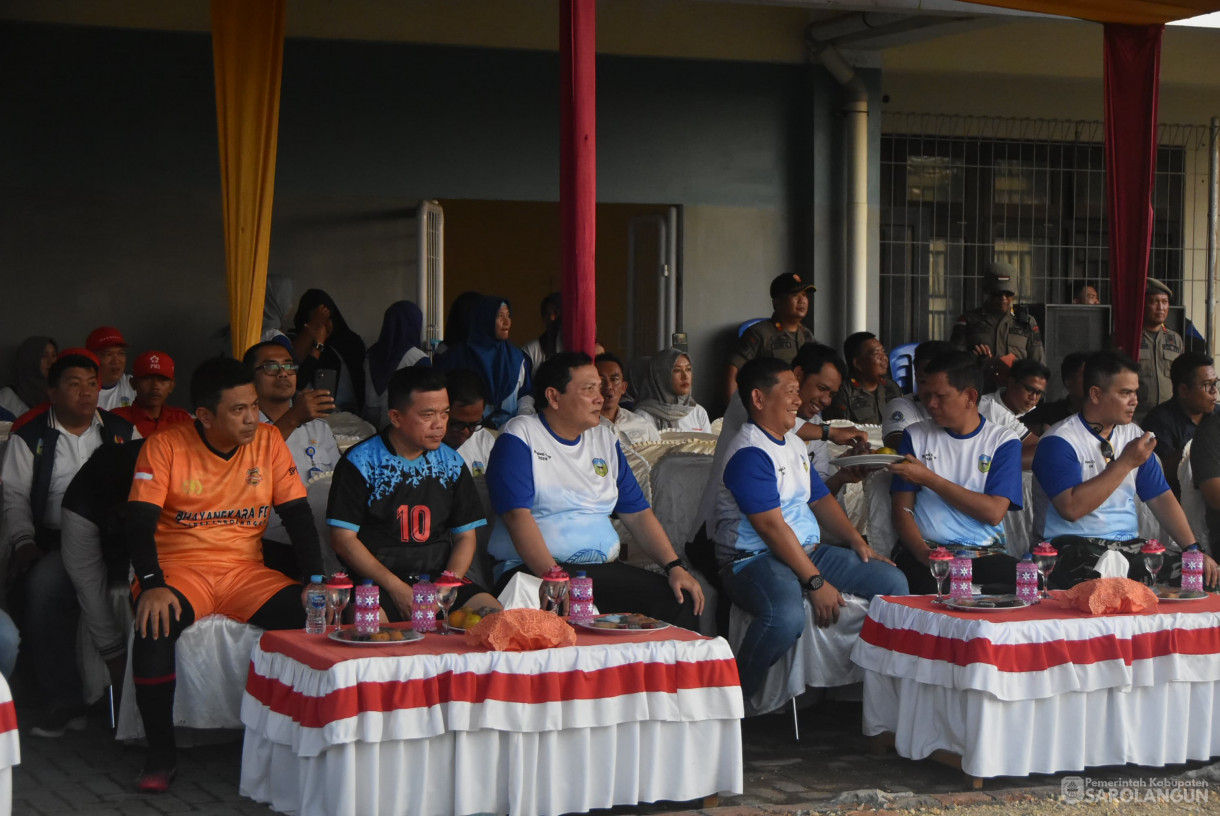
{"x": 1106, "y": 596}
{"x": 521, "y": 630}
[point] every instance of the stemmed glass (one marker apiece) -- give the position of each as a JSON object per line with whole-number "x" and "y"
{"x": 1154, "y": 559}
{"x": 939, "y": 562}
{"x": 446, "y": 594}
{"x": 1045, "y": 558}
{"x": 339, "y": 592}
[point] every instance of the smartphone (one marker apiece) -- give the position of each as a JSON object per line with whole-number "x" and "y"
{"x": 326, "y": 379}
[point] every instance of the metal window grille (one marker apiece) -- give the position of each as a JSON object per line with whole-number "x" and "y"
{"x": 959, "y": 192}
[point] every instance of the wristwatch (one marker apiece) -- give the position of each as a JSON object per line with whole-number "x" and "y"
{"x": 825, "y": 432}
{"x": 318, "y": 346}
{"x": 814, "y": 583}
{"x": 677, "y": 562}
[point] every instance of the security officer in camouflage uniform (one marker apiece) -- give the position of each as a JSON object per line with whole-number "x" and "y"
{"x": 780, "y": 336}
{"x": 992, "y": 330}
{"x": 1159, "y": 347}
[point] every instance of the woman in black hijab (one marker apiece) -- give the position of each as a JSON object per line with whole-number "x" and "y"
{"x": 322, "y": 340}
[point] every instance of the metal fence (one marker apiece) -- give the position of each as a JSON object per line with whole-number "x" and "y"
{"x": 958, "y": 192}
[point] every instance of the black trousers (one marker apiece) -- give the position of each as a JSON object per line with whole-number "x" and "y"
{"x": 620, "y": 587}
{"x": 1078, "y": 555}
{"x": 996, "y": 573}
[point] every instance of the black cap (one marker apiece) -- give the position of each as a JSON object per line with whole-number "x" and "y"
{"x": 789, "y": 283}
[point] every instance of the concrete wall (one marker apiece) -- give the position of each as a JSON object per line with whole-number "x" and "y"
{"x": 111, "y": 201}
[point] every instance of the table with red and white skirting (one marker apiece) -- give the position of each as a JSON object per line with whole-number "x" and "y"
{"x": 441, "y": 727}
{"x": 1043, "y": 689}
{"x": 10, "y": 748}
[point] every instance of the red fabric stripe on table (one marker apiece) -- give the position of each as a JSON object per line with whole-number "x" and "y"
{"x": 8, "y": 717}
{"x": 320, "y": 652}
{"x": 471, "y": 687}
{"x": 1030, "y": 657}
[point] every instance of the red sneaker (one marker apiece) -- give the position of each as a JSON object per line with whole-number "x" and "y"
{"x": 155, "y": 780}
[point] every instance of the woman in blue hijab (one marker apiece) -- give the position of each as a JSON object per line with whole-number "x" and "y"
{"x": 397, "y": 347}
{"x": 487, "y": 352}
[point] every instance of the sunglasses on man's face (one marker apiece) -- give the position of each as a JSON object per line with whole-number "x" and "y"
{"x": 272, "y": 369}
{"x": 457, "y": 426}
{"x": 1107, "y": 451}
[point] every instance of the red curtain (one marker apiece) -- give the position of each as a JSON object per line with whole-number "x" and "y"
{"x": 578, "y": 170}
{"x": 1132, "y": 73}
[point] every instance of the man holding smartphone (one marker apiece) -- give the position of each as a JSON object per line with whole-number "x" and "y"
{"x": 301, "y": 420}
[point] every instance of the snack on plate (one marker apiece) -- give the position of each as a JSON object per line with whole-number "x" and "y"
{"x": 1103, "y": 596}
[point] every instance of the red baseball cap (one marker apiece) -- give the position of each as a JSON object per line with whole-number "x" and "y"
{"x": 79, "y": 352}
{"x": 104, "y": 337}
{"x": 154, "y": 363}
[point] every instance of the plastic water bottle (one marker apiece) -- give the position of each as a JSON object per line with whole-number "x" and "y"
{"x": 581, "y": 594}
{"x": 962, "y": 573}
{"x": 1192, "y": 569}
{"x": 423, "y": 605}
{"x": 368, "y": 608}
{"x": 315, "y": 606}
{"x": 1027, "y": 579}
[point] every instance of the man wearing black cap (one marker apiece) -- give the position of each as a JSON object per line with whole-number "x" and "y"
{"x": 780, "y": 336}
{"x": 1159, "y": 347}
{"x": 992, "y": 330}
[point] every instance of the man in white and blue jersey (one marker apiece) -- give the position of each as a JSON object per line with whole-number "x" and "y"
{"x": 1090, "y": 467}
{"x": 771, "y": 506}
{"x": 556, "y": 476}
{"x": 905, "y": 411}
{"x": 961, "y": 475}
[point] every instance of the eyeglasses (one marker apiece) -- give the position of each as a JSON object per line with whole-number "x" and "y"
{"x": 1210, "y": 386}
{"x": 1107, "y": 451}
{"x": 272, "y": 369}
{"x": 456, "y": 426}
{"x": 1033, "y": 392}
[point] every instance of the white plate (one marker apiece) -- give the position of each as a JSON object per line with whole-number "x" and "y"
{"x": 619, "y": 629}
{"x": 1173, "y": 595}
{"x": 876, "y": 459}
{"x": 337, "y": 635}
{"x": 986, "y": 603}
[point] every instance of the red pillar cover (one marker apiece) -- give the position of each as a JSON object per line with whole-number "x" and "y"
{"x": 1132, "y": 75}
{"x": 578, "y": 170}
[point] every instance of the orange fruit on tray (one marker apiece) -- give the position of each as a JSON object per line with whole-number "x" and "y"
{"x": 459, "y": 618}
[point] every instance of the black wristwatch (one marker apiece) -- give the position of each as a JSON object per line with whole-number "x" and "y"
{"x": 677, "y": 562}
{"x": 825, "y": 432}
{"x": 814, "y": 583}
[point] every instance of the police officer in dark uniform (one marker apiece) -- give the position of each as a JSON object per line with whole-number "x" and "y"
{"x": 780, "y": 336}
{"x": 1159, "y": 347}
{"x": 992, "y": 330}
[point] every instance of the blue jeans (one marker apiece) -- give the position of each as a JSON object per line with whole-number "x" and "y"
{"x": 767, "y": 589}
{"x": 9, "y": 639}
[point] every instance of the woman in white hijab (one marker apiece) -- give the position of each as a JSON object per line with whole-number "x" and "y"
{"x": 663, "y": 393}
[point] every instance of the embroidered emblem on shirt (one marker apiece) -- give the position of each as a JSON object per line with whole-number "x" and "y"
{"x": 542, "y": 455}
{"x": 477, "y": 468}
{"x": 896, "y": 416}
{"x": 600, "y": 467}
{"x": 191, "y": 487}
{"x": 254, "y": 477}
{"x": 984, "y": 463}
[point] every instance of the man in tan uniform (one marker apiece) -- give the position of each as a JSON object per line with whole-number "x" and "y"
{"x": 992, "y": 330}
{"x": 1159, "y": 347}
{"x": 780, "y": 336}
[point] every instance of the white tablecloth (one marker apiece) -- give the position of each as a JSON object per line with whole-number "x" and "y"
{"x": 438, "y": 727}
{"x": 821, "y": 658}
{"x": 1044, "y": 689}
{"x": 10, "y": 748}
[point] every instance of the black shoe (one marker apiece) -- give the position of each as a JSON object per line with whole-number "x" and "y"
{"x": 60, "y": 719}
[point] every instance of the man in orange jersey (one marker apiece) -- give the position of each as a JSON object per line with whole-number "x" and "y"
{"x": 198, "y": 506}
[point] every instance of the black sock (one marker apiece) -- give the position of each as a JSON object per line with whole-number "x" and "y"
{"x": 155, "y": 699}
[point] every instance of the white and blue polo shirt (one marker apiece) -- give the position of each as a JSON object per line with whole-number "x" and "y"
{"x": 987, "y": 460}
{"x": 1069, "y": 454}
{"x": 761, "y": 474}
{"x": 570, "y": 486}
